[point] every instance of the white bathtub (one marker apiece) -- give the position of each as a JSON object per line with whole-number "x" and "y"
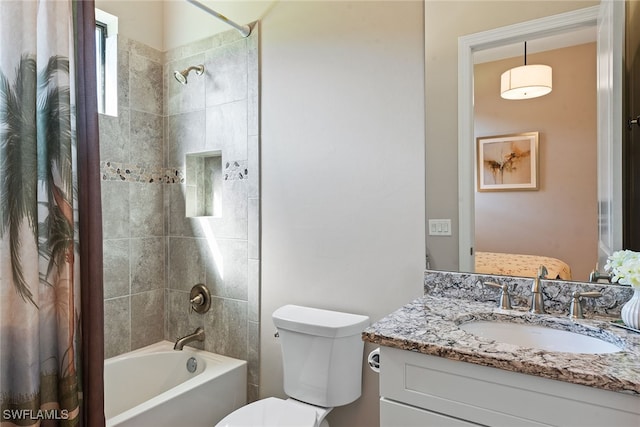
{"x": 152, "y": 387}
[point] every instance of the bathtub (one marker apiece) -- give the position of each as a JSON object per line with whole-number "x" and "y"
{"x": 153, "y": 387}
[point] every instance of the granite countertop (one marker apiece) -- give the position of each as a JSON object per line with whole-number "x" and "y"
{"x": 429, "y": 325}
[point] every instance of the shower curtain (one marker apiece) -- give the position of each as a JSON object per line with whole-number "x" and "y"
{"x": 51, "y": 351}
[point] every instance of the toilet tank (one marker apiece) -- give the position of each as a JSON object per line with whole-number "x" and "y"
{"x": 322, "y": 354}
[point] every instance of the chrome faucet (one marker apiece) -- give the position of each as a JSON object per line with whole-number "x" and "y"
{"x": 198, "y": 335}
{"x": 537, "y": 299}
{"x": 575, "y": 310}
{"x": 595, "y": 276}
{"x": 505, "y": 299}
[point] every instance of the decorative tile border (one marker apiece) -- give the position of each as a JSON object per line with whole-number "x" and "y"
{"x": 234, "y": 170}
{"x": 139, "y": 172}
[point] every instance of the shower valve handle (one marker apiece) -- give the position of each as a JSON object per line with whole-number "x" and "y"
{"x": 194, "y": 302}
{"x": 199, "y": 299}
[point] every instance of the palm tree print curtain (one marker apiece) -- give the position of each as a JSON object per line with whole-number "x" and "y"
{"x": 39, "y": 290}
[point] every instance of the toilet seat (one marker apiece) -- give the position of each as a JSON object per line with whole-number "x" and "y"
{"x": 272, "y": 412}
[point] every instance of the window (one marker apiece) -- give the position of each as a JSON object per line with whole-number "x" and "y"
{"x": 107, "y": 62}
{"x": 101, "y": 37}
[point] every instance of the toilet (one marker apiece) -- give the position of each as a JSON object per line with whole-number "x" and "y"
{"x": 322, "y": 369}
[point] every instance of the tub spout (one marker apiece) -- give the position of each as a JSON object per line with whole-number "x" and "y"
{"x": 198, "y": 335}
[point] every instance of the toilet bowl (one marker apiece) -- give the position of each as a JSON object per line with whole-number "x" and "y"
{"x": 322, "y": 368}
{"x": 277, "y": 412}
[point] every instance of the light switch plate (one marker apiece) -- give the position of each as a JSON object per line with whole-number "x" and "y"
{"x": 439, "y": 227}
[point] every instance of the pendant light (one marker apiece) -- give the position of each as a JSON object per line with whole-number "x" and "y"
{"x": 525, "y": 82}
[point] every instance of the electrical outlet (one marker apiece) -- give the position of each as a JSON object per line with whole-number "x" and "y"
{"x": 439, "y": 227}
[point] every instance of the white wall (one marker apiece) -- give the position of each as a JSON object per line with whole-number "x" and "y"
{"x": 167, "y": 24}
{"x": 139, "y": 20}
{"x": 195, "y": 24}
{"x": 342, "y": 168}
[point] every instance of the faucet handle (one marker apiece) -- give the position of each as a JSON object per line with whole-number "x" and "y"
{"x": 542, "y": 272}
{"x": 595, "y": 276}
{"x": 575, "y": 310}
{"x": 505, "y": 299}
{"x": 194, "y": 302}
{"x": 199, "y": 299}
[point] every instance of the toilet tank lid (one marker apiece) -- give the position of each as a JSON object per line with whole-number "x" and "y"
{"x": 319, "y": 322}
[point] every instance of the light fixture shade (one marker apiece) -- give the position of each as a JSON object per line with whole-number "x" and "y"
{"x": 526, "y": 82}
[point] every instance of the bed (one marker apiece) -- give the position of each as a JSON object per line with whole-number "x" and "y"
{"x": 520, "y": 265}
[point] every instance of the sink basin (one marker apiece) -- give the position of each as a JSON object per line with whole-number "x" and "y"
{"x": 538, "y": 337}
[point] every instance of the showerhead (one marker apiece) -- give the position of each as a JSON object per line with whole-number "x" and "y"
{"x": 181, "y": 76}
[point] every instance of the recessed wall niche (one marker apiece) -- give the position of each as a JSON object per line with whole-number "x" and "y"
{"x": 204, "y": 184}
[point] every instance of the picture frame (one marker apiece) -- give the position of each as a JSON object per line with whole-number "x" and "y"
{"x": 507, "y": 162}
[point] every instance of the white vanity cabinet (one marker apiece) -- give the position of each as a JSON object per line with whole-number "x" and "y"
{"x": 422, "y": 390}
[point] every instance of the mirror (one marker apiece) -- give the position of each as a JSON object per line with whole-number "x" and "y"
{"x": 557, "y": 218}
{"x": 488, "y": 217}
{"x": 536, "y": 230}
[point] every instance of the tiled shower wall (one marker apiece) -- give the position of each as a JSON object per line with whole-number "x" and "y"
{"x": 131, "y": 149}
{"x": 153, "y": 252}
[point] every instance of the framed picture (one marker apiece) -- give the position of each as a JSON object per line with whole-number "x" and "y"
{"x": 507, "y": 162}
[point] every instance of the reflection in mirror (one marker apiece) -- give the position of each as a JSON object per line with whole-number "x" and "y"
{"x": 560, "y": 220}
{"x": 554, "y": 224}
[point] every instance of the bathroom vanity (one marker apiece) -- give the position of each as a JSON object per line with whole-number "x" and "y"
{"x": 434, "y": 372}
